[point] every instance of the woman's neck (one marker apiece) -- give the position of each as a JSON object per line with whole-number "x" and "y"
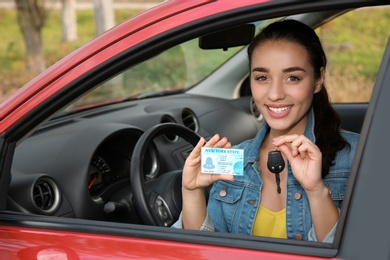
{"x": 297, "y": 129}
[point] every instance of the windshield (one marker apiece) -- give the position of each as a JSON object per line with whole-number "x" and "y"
{"x": 172, "y": 71}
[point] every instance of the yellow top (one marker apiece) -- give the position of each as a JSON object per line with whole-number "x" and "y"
{"x": 270, "y": 224}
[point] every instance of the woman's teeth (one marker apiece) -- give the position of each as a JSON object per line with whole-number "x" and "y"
{"x": 279, "y": 109}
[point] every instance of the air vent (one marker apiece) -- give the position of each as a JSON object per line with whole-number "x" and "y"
{"x": 46, "y": 195}
{"x": 169, "y": 137}
{"x": 167, "y": 119}
{"x": 190, "y": 120}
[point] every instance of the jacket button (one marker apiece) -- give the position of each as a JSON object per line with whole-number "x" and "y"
{"x": 298, "y": 237}
{"x": 223, "y": 192}
{"x": 297, "y": 196}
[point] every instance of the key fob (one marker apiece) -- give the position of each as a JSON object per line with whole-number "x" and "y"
{"x": 275, "y": 162}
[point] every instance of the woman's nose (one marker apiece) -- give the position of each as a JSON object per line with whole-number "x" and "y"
{"x": 276, "y": 90}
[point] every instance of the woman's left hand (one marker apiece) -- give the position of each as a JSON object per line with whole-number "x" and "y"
{"x": 305, "y": 159}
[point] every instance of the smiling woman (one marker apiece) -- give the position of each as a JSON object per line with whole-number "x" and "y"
{"x": 287, "y": 67}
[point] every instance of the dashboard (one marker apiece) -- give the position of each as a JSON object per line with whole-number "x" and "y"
{"x": 78, "y": 165}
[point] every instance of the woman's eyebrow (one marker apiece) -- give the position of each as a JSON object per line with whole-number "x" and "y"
{"x": 292, "y": 69}
{"x": 260, "y": 69}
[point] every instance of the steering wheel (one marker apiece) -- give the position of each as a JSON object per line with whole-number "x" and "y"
{"x": 159, "y": 201}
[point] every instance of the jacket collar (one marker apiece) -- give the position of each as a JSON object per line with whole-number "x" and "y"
{"x": 252, "y": 151}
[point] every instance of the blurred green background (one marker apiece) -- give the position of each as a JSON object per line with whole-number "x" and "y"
{"x": 354, "y": 52}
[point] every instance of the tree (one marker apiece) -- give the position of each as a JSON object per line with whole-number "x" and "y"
{"x": 69, "y": 20}
{"x": 104, "y": 15}
{"x": 31, "y": 16}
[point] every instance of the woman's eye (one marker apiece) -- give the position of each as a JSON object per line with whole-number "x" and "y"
{"x": 292, "y": 78}
{"x": 261, "y": 78}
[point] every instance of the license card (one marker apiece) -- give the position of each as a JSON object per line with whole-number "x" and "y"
{"x": 222, "y": 161}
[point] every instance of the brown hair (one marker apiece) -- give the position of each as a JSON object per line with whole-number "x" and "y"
{"x": 327, "y": 121}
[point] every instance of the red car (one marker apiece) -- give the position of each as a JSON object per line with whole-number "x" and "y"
{"x": 92, "y": 149}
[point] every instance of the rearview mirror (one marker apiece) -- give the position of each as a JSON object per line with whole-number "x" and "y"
{"x": 232, "y": 37}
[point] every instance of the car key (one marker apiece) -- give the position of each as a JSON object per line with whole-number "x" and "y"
{"x": 276, "y": 165}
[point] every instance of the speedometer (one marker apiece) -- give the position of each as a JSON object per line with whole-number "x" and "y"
{"x": 97, "y": 173}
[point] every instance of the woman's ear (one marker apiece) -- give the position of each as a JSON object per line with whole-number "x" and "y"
{"x": 320, "y": 81}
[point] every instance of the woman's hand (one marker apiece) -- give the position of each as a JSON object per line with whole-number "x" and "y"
{"x": 305, "y": 159}
{"x": 194, "y": 182}
{"x": 192, "y": 177}
{"x": 306, "y": 163}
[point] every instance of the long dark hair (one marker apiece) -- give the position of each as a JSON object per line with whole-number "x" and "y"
{"x": 327, "y": 121}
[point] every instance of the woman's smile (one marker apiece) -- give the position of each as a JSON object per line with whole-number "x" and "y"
{"x": 278, "y": 111}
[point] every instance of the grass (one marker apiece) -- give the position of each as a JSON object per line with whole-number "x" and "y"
{"x": 354, "y": 47}
{"x": 13, "y": 72}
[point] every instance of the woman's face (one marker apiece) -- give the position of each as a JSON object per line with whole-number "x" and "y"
{"x": 283, "y": 85}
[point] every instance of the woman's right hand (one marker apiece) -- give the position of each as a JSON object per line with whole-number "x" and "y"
{"x": 193, "y": 179}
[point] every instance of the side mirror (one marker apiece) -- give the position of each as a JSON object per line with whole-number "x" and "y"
{"x": 231, "y": 37}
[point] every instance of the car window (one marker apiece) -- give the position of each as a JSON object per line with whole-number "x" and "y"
{"x": 353, "y": 61}
{"x": 175, "y": 69}
{"x": 353, "y": 56}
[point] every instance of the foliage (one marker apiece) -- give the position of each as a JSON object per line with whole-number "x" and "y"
{"x": 353, "y": 51}
{"x": 12, "y": 50}
{"x": 354, "y": 47}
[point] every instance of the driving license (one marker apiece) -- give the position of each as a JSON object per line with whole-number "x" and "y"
{"x": 222, "y": 161}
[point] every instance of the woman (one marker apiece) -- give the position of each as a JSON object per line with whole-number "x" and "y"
{"x": 287, "y": 70}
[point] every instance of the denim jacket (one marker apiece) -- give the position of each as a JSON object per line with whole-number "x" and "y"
{"x": 234, "y": 210}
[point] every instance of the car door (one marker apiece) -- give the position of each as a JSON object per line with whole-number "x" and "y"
{"x": 366, "y": 227}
